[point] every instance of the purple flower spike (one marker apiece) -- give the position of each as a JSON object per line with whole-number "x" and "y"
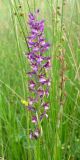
{"x": 39, "y": 82}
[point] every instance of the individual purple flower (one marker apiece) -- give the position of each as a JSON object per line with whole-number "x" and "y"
{"x": 39, "y": 82}
{"x": 34, "y": 119}
{"x": 43, "y": 81}
{"x": 40, "y": 92}
{"x": 46, "y": 106}
{"x": 35, "y": 134}
{"x": 31, "y": 84}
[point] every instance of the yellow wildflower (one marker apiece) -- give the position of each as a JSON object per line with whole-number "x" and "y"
{"x": 24, "y": 102}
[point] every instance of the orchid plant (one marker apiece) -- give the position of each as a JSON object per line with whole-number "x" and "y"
{"x": 39, "y": 82}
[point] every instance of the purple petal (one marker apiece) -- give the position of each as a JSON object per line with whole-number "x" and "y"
{"x": 30, "y": 42}
{"x": 31, "y": 16}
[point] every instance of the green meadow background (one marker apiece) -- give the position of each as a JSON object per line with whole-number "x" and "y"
{"x": 61, "y": 132}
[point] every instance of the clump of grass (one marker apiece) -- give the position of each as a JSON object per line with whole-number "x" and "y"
{"x": 61, "y": 138}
